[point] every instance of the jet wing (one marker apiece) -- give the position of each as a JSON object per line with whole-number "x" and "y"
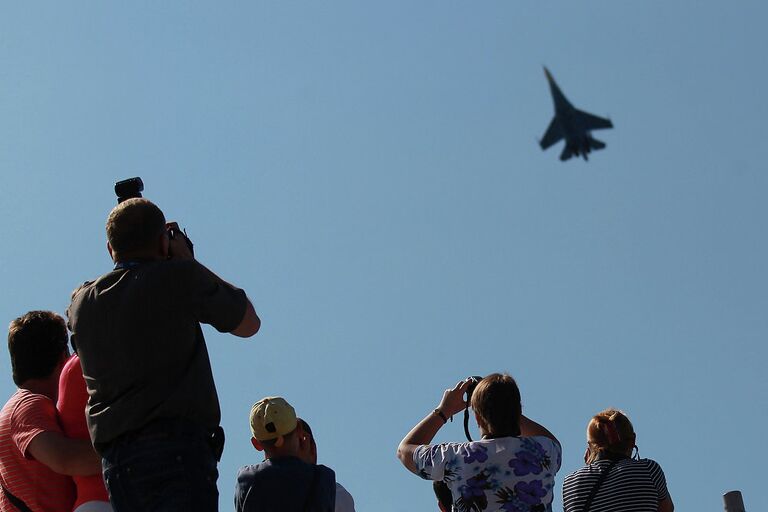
{"x": 590, "y": 122}
{"x": 553, "y": 135}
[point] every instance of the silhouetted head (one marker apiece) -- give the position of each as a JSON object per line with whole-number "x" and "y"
{"x": 496, "y": 402}
{"x": 136, "y": 229}
{"x": 277, "y": 431}
{"x": 610, "y": 432}
{"x": 307, "y": 442}
{"x": 38, "y": 344}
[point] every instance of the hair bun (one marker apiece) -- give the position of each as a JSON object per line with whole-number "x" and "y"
{"x": 611, "y": 433}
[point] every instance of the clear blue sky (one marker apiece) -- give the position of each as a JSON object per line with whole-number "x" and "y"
{"x": 369, "y": 173}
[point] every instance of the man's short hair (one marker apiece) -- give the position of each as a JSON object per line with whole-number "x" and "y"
{"x": 496, "y": 400}
{"x": 36, "y": 342}
{"x": 134, "y": 226}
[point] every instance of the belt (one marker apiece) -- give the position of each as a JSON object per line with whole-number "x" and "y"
{"x": 172, "y": 428}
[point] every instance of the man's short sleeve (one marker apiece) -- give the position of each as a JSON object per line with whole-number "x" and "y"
{"x": 214, "y": 301}
{"x": 431, "y": 460}
{"x": 344, "y": 501}
{"x": 658, "y": 479}
{"x": 33, "y": 415}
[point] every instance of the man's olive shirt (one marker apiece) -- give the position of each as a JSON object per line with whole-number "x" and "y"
{"x": 137, "y": 332}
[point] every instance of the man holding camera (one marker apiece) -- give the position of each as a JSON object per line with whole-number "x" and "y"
{"x": 512, "y": 467}
{"x": 153, "y": 412}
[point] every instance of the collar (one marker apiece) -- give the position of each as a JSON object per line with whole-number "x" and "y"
{"x": 615, "y": 457}
{"x": 128, "y": 264}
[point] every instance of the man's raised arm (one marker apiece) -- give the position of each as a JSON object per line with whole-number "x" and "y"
{"x": 249, "y": 325}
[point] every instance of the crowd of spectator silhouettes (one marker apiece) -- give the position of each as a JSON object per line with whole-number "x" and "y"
{"x": 110, "y": 427}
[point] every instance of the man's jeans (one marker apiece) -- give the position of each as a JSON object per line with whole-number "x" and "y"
{"x": 166, "y": 467}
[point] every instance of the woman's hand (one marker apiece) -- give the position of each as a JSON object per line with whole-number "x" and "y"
{"x": 424, "y": 431}
{"x": 453, "y": 399}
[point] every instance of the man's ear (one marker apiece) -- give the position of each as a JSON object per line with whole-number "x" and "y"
{"x": 165, "y": 245}
{"x": 111, "y": 252}
{"x": 256, "y": 444}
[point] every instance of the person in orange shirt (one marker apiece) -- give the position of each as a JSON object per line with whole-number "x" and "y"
{"x": 35, "y": 455}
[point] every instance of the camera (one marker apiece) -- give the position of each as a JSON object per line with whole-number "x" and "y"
{"x": 174, "y": 230}
{"x": 473, "y": 382}
{"x": 127, "y": 189}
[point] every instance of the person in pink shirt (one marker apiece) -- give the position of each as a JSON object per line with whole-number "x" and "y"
{"x": 35, "y": 455}
{"x": 92, "y": 494}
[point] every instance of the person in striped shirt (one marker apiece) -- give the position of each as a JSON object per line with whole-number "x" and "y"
{"x": 612, "y": 480}
{"x": 35, "y": 456}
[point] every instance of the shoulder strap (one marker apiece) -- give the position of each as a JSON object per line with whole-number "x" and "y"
{"x": 603, "y": 476}
{"x": 16, "y": 501}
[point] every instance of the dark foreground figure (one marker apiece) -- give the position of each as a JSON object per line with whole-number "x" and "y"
{"x": 153, "y": 412}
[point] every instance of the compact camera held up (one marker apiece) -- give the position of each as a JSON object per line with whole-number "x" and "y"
{"x": 133, "y": 187}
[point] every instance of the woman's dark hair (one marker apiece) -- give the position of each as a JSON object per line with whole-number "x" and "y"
{"x": 36, "y": 342}
{"x": 496, "y": 401}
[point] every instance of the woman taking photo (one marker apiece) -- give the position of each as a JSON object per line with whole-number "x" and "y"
{"x": 613, "y": 480}
{"x": 511, "y": 469}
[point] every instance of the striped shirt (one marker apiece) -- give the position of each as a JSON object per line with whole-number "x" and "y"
{"x": 631, "y": 486}
{"x": 23, "y": 417}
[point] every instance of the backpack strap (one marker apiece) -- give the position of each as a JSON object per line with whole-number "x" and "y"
{"x": 17, "y": 502}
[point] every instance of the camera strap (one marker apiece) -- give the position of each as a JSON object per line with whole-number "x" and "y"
{"x": 466, "y": 423}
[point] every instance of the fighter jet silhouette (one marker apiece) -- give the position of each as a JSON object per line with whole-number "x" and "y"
{"x": 573, "y": 125}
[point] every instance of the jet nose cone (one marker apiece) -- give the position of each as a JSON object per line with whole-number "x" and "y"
{"x": 548, "y": 74}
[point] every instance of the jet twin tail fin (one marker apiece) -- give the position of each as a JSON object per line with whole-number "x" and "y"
{"x": 596, "y": 144}
{"x": 591, "y": 122}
